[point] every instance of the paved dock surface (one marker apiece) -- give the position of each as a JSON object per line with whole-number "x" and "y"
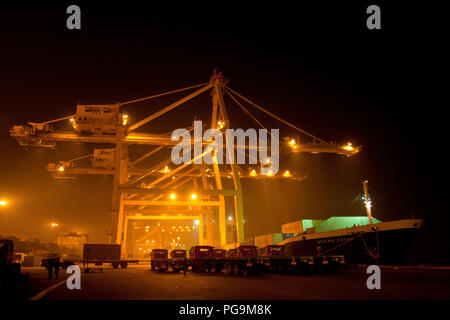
{"x": 138, "y": 283}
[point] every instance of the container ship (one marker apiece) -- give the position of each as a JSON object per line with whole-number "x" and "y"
{"x": 378, "y": 242}
{"x": 362, "y": 240}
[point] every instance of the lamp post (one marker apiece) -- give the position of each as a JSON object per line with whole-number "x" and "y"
{"x": 55, "y": 225}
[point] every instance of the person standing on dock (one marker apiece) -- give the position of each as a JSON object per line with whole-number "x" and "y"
{"x": 57, "y": 265}
{"x": 50, "y": 265}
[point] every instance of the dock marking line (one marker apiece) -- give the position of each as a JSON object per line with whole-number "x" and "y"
{"x": 47, "y": 290}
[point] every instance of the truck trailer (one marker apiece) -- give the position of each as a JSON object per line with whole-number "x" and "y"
{"x": 99, "y": 254}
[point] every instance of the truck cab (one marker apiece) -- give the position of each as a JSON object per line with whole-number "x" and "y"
{"x": 8, "y": 261}
{"x": 177, "y": 260}
{"x": 199, "y": 252}
{"x": 243, "y": 252}
{"x": 178, "y": 254}
{"x": 219, "y": 253}
{"x": 201, "y": 258}
{"x": 159, "y": 259}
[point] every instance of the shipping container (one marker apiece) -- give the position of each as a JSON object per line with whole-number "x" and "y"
{"x": 268, "y": 239}
{"x": 300, "y": 226}
{"x": 292, "y": 227}
{"x": 101, "y": 251}
{"x": 271, "y": 239}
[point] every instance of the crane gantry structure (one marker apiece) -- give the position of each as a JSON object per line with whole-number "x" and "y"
{"x": 148, "y": 193}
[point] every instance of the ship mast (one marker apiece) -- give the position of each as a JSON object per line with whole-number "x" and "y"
{"x": 367, "y": 201}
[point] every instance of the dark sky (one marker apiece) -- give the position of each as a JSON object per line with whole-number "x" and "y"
{"x": 316, "y": 65}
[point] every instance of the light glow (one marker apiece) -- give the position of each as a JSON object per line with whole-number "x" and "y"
{"x": 166, "y": 169}
{"x": 349, "y": 147}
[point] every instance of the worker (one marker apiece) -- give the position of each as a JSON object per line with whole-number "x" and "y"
{"x": 50, "y": 265}
{"x": 57, "y": 265}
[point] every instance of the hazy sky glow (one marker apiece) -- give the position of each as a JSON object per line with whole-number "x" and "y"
{"x": 339, "y": 84}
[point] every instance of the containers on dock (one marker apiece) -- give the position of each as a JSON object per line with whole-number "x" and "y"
{"x": 271, "y": 238}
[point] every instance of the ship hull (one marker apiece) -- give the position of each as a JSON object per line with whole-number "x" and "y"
{"x": 388, "y": 246}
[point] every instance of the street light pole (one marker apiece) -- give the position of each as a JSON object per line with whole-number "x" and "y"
{"x": 55, "y": 225}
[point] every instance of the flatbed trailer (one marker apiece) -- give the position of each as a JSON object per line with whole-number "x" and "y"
{"x": 98, "y": 254}
{"x": 329, "y": 263}
{"x": 87, "y": 264}
{"x": 274, "y": 259}
{"x": 317, "y": 263}
{"x": 244, "y": 265}
{"x": 244, "y": 260}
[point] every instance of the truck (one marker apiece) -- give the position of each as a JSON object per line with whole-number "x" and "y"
{"x": 274, "y": 258}
{"x": 177, "y": 260}
{"x": 219, "y": 256}
{"x": 10, "y": 268}
{"x": 201, "y": 258}
{"x": 99, "y": 254}
{"x": 244, "y": 259}
{"x": 159, "y": 259}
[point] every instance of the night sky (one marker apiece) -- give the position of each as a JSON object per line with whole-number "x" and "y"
{"x": 317, "y": 66}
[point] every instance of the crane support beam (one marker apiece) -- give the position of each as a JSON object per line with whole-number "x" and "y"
{"x": 167, "y": 190}
{"x": 171, "y": 203}
{"x": 164, "y": 140}
{"x": 160, "y": 212}
{"x": 168, "y": 108}
{"x": 135, "y": 217}
{"x": 162, "y": 94}
{"x": 145, "y": 156}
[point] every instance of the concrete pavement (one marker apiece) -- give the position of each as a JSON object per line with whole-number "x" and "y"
{"x": 137, "y": 283}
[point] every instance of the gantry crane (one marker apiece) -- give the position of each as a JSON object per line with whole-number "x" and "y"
{"x": 147, "y": 193}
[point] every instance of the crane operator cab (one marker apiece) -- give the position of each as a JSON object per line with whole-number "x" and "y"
{"x": 97, "y": 118}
